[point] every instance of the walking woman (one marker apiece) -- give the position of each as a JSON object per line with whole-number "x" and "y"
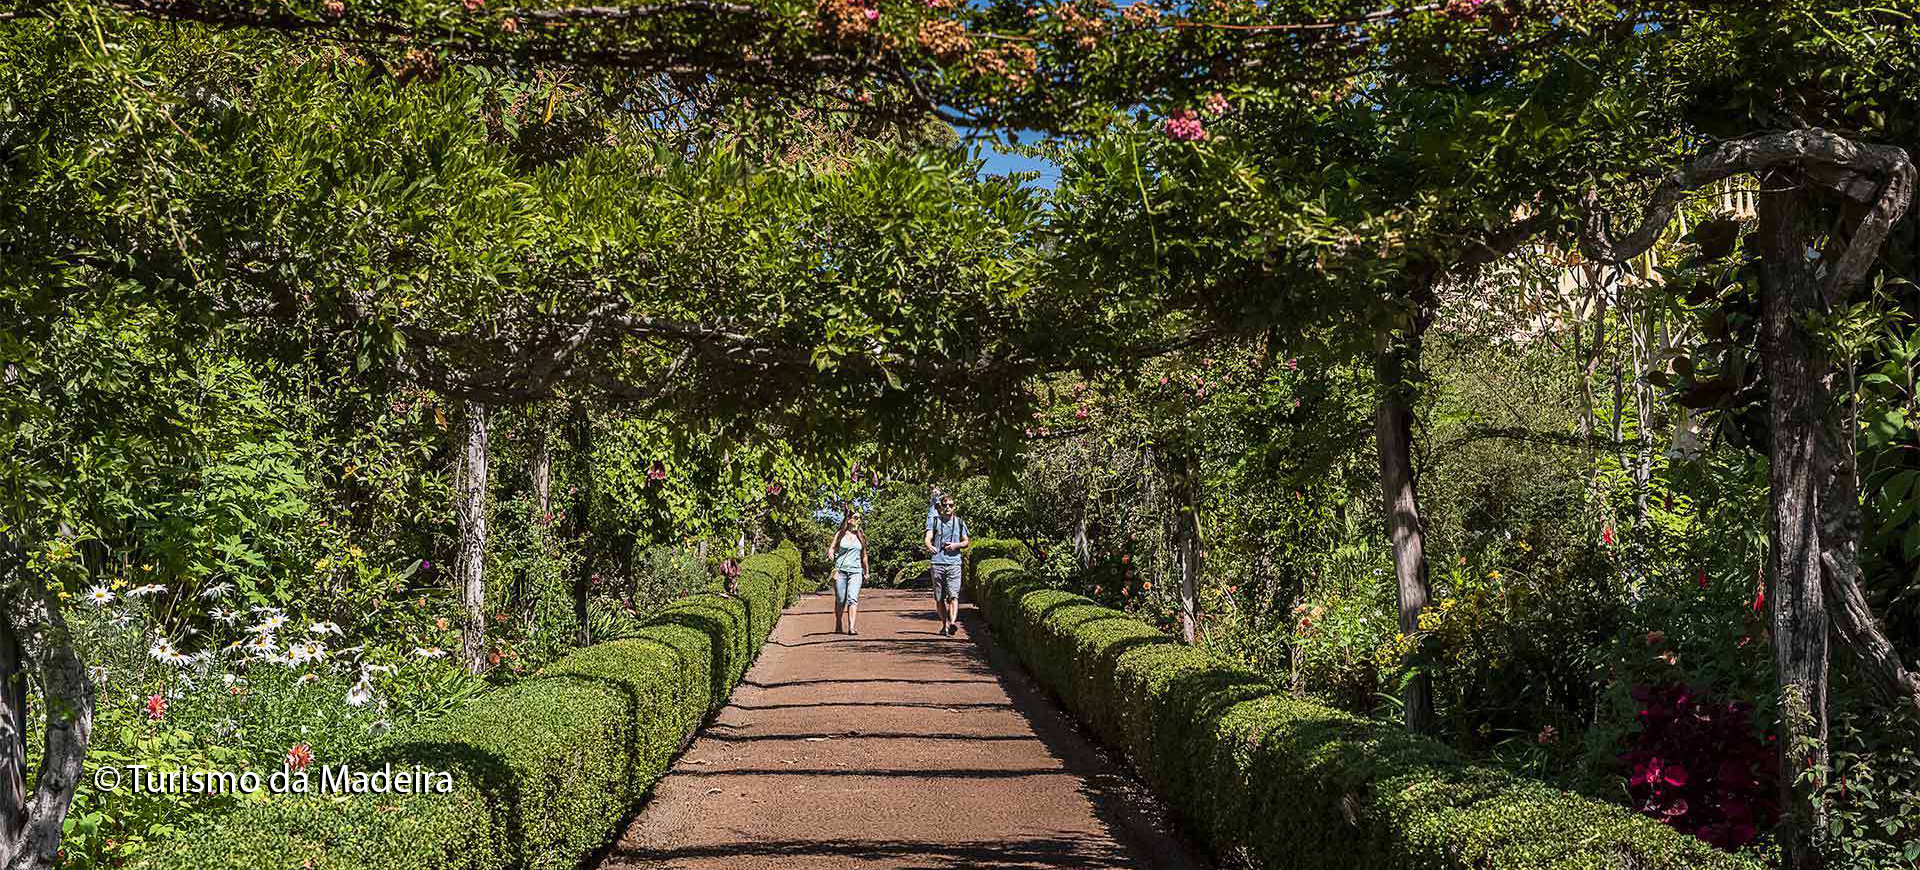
{"x": 849, "y": 554}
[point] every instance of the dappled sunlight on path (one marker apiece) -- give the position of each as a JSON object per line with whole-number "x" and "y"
{"x": 894, "y": 748}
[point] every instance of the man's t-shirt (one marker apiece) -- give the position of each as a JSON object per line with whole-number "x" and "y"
{"x": 952, "y": 529}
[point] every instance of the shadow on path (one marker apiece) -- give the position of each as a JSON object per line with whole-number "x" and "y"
{"x": 894, "y": 749}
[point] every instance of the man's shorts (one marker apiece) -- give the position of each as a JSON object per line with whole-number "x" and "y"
{"x": 946, "y": 583}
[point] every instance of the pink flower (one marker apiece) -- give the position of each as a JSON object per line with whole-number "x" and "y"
{"x": 335, "y": 9}
{"x": 472, "y": 4}
{"x": 656, "y": 471}
{"x": 1081, "y": 412}
{"x": 872, "y": 14}
{"x": 1293, "y": 364}
{"x": 773, "y": 489}
{"x": 156, "y": 707}
{"x": 1217, "y": 105}
{"x": 299, "y": 756}
{"x": 1184, "y": 126}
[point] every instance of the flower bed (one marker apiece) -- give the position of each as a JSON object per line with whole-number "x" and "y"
{"x": 543, "y": 770}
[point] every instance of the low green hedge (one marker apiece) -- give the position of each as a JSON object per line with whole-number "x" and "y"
{"x": 544, "y": 769}
{"x": 986, "y": 550}
{"x": 1278, "y": 781}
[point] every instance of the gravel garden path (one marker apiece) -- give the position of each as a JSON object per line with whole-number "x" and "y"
{"x": 895, "y": 748}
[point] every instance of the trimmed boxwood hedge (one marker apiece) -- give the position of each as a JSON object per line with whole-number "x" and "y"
{"x": 1281, "y": 782}
{"x": 544, "y": 768}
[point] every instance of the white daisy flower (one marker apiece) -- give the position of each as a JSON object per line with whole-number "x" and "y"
{"x": 260, "y": 608}
{"x": 271, "y": 624}
{"x": 379, "y": 727}
{"x": 261, "y": 644}
{"x": 429, "y": 652}
{"x": 325, "y": 628}
{"x": 100, "y": 595}
{"x": 307, "y": 679}
{"x": 360, "y": 694}
{"x": 163, "y": 651}
{"x": 307, "y": 651}
{"x": 224, "y": 615}
{"x": 98, "y": 673}
{"x": 121, "y": 620}
{"x": 149, "y": 589}
{"x": 216, "y": 590}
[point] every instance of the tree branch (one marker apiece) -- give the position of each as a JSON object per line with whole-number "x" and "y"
{"x": 1880, "y": 175}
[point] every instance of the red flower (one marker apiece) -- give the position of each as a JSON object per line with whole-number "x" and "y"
{"x": 1606, "y": 535}
{"x": 1702, "y": 579}
{"x": 1759, "y": 598}
{"x": 299, "y": 756}
{"x": 656, "y": 471}
{"x": 156, "y": 707}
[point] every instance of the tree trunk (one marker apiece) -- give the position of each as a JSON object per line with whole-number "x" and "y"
{"x": 1797, "y": 378}
{"x": 70, "y": 703}
{"x": 1394, "y": 430}
{"x": 1187, "y": 545}
{"x": 542, "y": 476}
{"x": 13, "y": 727}
{"x": 470, "y": 567}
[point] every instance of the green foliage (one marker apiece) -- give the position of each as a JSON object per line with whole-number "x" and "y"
{"x": 544, "y": 769}
{"x": 1283, "y": 782}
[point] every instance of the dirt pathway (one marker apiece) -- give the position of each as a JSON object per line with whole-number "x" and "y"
{"x": 895, "y": 748}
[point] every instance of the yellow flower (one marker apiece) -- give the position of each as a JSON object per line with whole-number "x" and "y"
{"x": 1493, "y": 575}
{"x": 323, "y": 564}
{"x": 357, "y": 553}
{"x": 64, "y": 594}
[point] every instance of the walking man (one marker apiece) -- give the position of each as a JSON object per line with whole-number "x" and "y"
{"x": 946, "y": 537}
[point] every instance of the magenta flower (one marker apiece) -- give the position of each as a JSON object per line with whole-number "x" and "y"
{"x": 1185, "y": 126}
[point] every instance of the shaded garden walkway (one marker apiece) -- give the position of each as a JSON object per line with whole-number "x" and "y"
{"x": 896, "y": 748}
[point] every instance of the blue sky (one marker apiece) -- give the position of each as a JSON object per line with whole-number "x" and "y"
{"x": 1001, "y": 163}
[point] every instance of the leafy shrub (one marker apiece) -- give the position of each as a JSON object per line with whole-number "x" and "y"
{"x": 543, "y": 769}
{"x": 1873, "y": 795}
{"x": 1697, "y": 766}
{"x": 1274, "y": 780}
{"x": 662, "y": 574}
{"x": 1337, "y": 645}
